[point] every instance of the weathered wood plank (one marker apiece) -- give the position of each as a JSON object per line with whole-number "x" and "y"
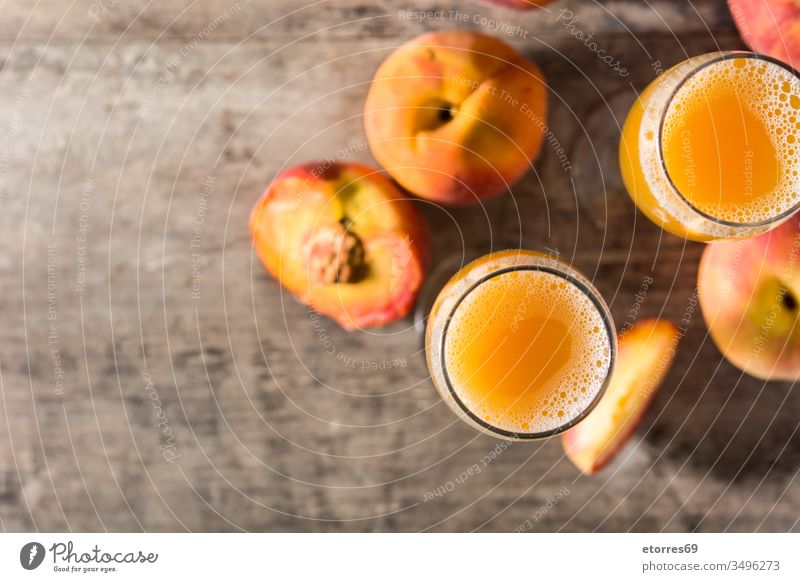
{"x": 326, "y": 20}
{"x": 222, "y": 409}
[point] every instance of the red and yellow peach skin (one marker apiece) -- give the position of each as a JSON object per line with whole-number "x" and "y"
{"x": 644, "y": 357}
{"x": 456, "y": 116}
{"x": 344, "y": 240}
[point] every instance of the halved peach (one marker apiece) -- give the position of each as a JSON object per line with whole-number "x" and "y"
{"x": 344, "y": 240}
{"x": 644, "y": 357}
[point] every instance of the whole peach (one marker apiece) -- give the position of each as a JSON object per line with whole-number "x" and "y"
{"x": 456, "y": 116}
{"x": 749, "y": 293}
{"x": 770, "y": 27}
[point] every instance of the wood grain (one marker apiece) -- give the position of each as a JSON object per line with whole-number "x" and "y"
{"x": 108, "y": 137}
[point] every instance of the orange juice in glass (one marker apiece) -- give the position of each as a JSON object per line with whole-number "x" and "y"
{"x": 710, "y": 148}
{"x": 520, "y": 345}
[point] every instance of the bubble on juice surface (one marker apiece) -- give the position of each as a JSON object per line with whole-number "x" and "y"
{"x": 525, "y": 294}
{"x": 772, "y": 94}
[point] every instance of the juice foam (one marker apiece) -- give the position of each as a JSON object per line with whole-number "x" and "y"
{"x": 527, "y": 351}
{"x": 729, "y": 140}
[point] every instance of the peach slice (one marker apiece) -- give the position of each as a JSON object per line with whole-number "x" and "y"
{"x": 344, "y": 240}
{"x": 644, "y": 357}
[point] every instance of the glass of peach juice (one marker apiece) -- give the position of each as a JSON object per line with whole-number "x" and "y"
{"x": 520, "y": 345}
{"x": 710, "y": 148}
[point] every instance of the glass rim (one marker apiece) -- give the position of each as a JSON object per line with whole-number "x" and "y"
{"x": 721, "y": 56}
{"x": 599, "y": 305}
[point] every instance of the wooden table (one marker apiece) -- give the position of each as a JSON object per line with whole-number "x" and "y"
{"x": 154, "y": 378}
